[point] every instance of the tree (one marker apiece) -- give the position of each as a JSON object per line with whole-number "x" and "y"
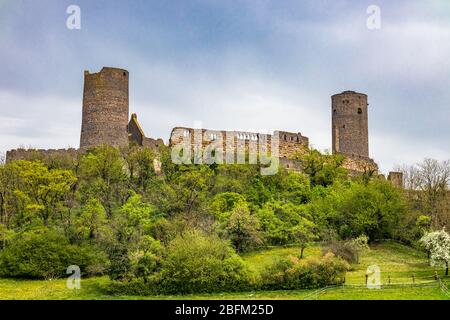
{"x": 140, "y": 162}
{"x": 135, "y": 220}
{"x": 41, "y": 191}
{"x": 191, "y": 185}
{"x": 303, "y": 234}
{"x": 242, "y": 228}
{"x": 104, "y": 178}
{"x": 8, "y": 183}
{"x": 322, "y": 169}
{"x": 427, "y": 187}
{"x": 92, "y": 222}
{"x": 46, "y": 253}
{"x": 196, "y": 262}
{"x": 284, "y": 223}
{"x": 437, "y": 243}
{"x": 223, "y": 203}
{"x": 5, "y": 235}
{"x": 132, "y": 246}
{"x": 353, "y": 208}
{"x": 146, "y": 260}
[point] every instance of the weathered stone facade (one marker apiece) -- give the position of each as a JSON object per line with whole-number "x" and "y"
{"x": 350, "y": 130}
{"x": 350, "y": 124}
{"x": 41, "y": 154}
{"x": 396, "y": 178}
{"x": 105, "y": 121}
{"x": 105, "y": 108}
{"x": 360, "y": 164}
{"x": 136, "y": 135}
{"x": 235, "y": 146}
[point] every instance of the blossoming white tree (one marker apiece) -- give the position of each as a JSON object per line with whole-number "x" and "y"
{"x": 438, "y": 245}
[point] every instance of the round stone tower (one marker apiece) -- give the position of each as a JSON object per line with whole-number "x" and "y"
{"x": 105, "y": 108}
{"x": 350, "y": 124}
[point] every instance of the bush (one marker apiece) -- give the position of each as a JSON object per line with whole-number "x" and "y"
{"x": 136, "y": 287}
{"x": 193, "y": 263}
{"x": 201, "y": 263}
{"x": 293, "y": 273}
{"x": 348, "y": 250}
{"x": 46, "y": 254}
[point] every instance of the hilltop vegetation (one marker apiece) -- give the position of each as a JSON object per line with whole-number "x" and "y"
{"x": 186, "y": 229}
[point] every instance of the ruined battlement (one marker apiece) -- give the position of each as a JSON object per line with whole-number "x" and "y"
{"x": 288, "y": 143}
{"x": 40, "y": 154}
{"x": 396, "y": 178}
{"x": 360, "y": 164}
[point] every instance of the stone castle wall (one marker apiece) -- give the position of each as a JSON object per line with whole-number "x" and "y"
{"x": 396, "y": 178}
{"x": 236, "y": 144}
{"x": 360, "y": 164}
{"x": 44, "y": 155}
{"x": 105, "y": 121}
{"x": 105, "y": 108}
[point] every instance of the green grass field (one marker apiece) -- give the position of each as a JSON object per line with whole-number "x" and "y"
{"x": 395, "y": 260}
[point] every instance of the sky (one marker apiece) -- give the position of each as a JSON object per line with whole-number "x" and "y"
{"x": 228, "y": 64}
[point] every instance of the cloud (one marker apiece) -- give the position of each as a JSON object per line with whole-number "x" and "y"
{"x": 233, "y": 65}
{"x": 38, "y": 122}
{"x": 393, "y": 150}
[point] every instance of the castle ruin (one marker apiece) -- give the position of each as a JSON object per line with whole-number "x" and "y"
{"x": 105, "y": 120}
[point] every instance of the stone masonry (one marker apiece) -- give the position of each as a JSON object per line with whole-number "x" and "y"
{"x": 105, "y": 108}
{"x": 350, "y": 130}
{"x": 350, "y": 124}
{"x": 105, "y": 121}
{"x": 235, "y": 144}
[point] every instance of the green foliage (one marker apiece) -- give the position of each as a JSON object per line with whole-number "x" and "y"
{"x": 201, "y": 263}
{"x": 223, "y": 203}
{"x": 323, "y": 170}
{"x": 190, "y": 185}
{"x": 43, "y": 253}
{"x": 134, "y": 253}
{"x": 353, "y": 209}
{"x": 5, "y": 235}
{"x": 135, "y": 219}
{"x": 242, "y": 228}
{"x": 91, "y": 224}
{"x": 103, "y": 177}
{"x": 284, "y": 223}
{"x": 40, "y": 191}
{"x": 293, "y": 273}
{"x": 140, "y": 162}
{"x": 112, "y": 202}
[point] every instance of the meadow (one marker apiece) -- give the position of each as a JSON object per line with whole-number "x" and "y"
{"x": 411, "y": 278}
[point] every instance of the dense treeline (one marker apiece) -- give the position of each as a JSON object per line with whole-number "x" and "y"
{"x": 183, "y": 228}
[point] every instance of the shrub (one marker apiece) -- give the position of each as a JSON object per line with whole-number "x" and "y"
{"x": 135, "y": 287}
{"x": 348, "y": 250}
{"x": 294, "y": 273}
{"x": 200, "y": 263}
{"x": 45, "y": 254}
